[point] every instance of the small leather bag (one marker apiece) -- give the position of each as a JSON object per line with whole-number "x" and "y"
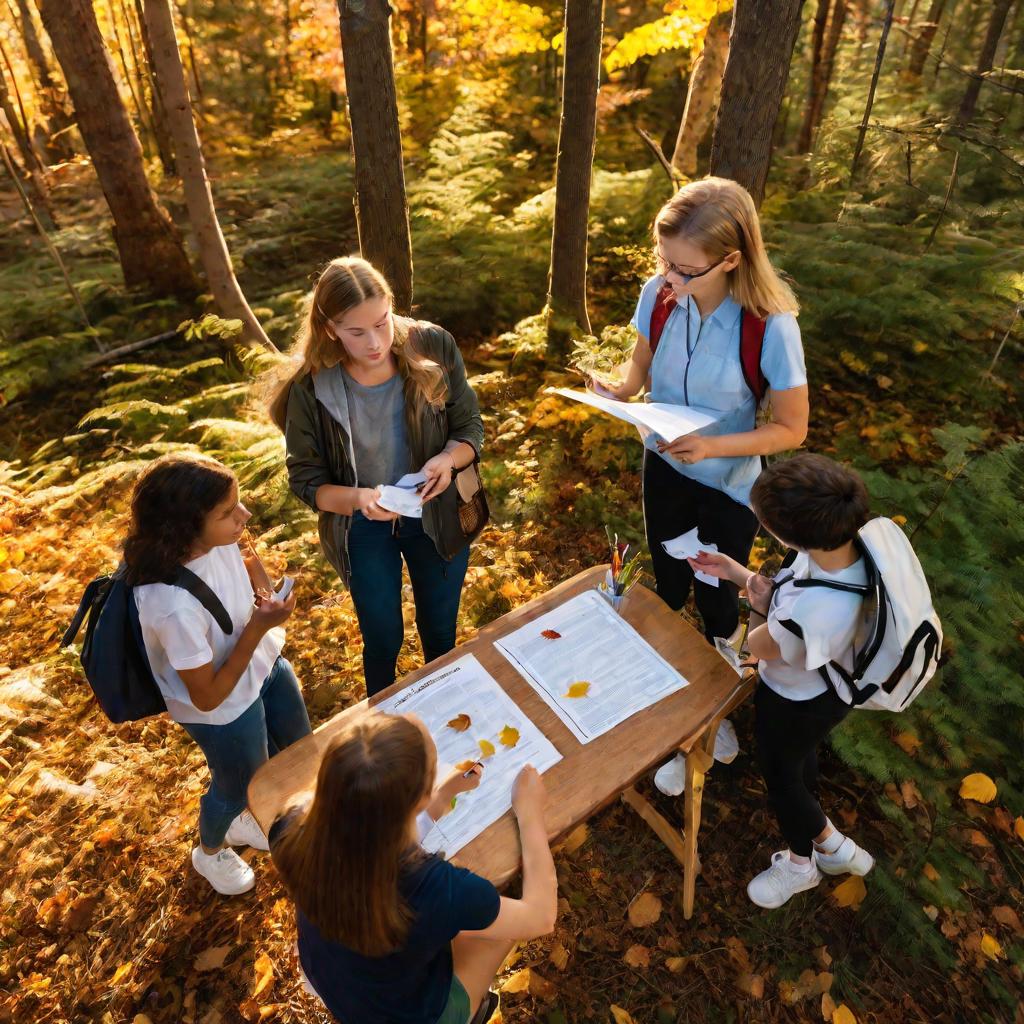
{"x": 471, "y": 500}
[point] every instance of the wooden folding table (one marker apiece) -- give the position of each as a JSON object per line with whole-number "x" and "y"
{"x": 590, "y": 775}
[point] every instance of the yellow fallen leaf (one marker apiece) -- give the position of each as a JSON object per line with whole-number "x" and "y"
{"x": 509, "y": 736}
{"x": 930, "y": 873}
{"x": 517, "y": 981}
{"x": 120, "y": 973}
{"x": 644, "y": 910}
{"x": 212, "y": 958}
{"x": 579, "y": 690}
{"x": 460, "y": 723}
{"x": 978, "y": 787}
{"x": 486, "y": 748}
{"x": 990, "y": 946}
{"x": 908, "y": 742}
{"x": 828, "y": 1006}
{"x": 842, "y": 1014}
{"x": 559, "y": 956}
{"x": 850, "y": 893}
{"x": 264, "y": 975}
{"x": 676, "y": 963}
{"x": 621, "y": 1016}
{"x": 1018, "y": 827}
{"x": 637, "y": 956}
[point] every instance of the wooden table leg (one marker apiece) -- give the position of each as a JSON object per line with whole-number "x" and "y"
{"x": 697, "y": 764}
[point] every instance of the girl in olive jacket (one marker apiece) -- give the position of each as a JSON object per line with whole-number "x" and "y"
{"x": 377, "y": 396}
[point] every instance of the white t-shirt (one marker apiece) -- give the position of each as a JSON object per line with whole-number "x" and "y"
{"x": 829, "y": 620}
{"x": 179, "y": 633}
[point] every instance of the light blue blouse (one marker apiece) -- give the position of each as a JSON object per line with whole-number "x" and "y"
{"x": 710, "y": 377}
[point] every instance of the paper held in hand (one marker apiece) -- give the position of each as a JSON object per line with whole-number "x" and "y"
{"x": 472, "y": 719}
{"x": 403, "y": 496}
{"x": 689, "y": 545}
{"x": 667, "y": 421}
{"x": 589, "y": 665}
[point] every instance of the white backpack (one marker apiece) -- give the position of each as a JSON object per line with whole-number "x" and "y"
{"x": 898, "y": 644}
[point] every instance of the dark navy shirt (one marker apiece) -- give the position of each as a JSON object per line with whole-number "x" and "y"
{"x": 411, "y": 985}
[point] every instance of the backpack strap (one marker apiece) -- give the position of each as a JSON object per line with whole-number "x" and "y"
{"x": 188, "y": 580}
{"x": 752, "y": 330}
{"x": 857, "y": 697}
{"x": 83, "y": 609}
{"x": 664, "y": 302}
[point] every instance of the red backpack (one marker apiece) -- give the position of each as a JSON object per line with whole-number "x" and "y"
{"x": 751, "y": 340}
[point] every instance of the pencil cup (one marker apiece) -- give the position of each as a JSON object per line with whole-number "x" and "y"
{"x": 605, "y": 590}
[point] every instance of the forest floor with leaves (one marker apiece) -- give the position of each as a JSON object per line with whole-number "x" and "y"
{"x": 101, "y": 916}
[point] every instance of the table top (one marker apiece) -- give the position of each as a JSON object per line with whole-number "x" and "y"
{"x": 589, "y": 775}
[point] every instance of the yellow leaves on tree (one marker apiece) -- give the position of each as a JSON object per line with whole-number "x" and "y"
{"x": 683, "y": 26}
{"x": 978, "y": 786}
{"x": 460, "y": 723}
{"x": 486, "y": 748}
{"x": 851, "y": 892}
{"x": 508, "y": 736}
{"x": 579, "y": 689}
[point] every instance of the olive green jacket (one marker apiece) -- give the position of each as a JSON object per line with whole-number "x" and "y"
{"x": 320, "y": 450}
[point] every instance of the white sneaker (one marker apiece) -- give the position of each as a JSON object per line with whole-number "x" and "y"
{"x": 224, "y": 870}
{"x": 244, "y": 831}
{"x": 848, "y": 859}
{"x": 783, "y": 879}
{"x": 670, "y": 778}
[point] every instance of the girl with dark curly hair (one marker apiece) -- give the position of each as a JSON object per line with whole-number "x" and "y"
{"x": 233, "y": 693}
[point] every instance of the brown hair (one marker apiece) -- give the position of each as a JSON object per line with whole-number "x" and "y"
{"x": 810, "y": 501}
{"x": 342, "y": 863}
{"x": 342, "y": 285}
{"x": 171, "y": 500}
{"x": 719, "y": 216}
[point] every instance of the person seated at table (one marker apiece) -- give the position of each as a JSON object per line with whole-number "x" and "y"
{"x": 814, "y": 506}
{"x": 387, "y": 933}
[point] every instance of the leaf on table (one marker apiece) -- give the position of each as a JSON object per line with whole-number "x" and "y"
{"x": 509, "y": 736}
{"x": 486, "y": 748}
{"x": 211, "y": 958}
{"x": 579, "y": 689}
{"x": 264, "y": 975}
{"x": 644, "y": 910}
{"x": 460, "y": 723}
{"x": 550, "y": 634}
{"x": 637, "y": 956}
{"x": 978, "y": 786}
{"x": 464, "y": 766}
{"x": 850, "y": 893}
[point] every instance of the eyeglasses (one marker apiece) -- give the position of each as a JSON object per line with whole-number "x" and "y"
{"x": 671, "y": 268}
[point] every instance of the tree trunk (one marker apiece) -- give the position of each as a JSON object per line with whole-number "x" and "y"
{"x": 20, "y": 129}
{"x": 51, "y": 93}
{"x": 382, "y": 209}
{"x": 1000, "y": 9}
{"x": 760, "y": 50}
{"x": 158, "y": 106}
{"x": 150, "y": 247}
{"x": 213, "y": 250}
{"x": 821, "y": 77}
{"x": 577, "y": 131}
{"x": 923, "y": 43}
{"x": 879, "y": 57}
{"x": 803, "y": 143}
{"x": 702, "y": 94}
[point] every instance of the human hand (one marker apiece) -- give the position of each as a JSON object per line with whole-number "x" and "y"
{"x": 689, "y": 448}
{"x": 439, "y": 474}
{"x": 366, "y": 502}
{"x": 714, "y": 563}
{"x": 759, "y": 592}
{"x": 528, "y": 794}
{"x": 603, "y": 390}
{"x": 458, "y": 781}
{"x": 270, "y": 613}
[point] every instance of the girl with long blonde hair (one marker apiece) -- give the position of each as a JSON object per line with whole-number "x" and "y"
{"x": 373, "y": 398}
{"x": 727, "y": 336}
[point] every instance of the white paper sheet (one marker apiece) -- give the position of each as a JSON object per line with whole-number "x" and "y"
{"x": 466, "y": 688}
{"x": 667, "y": 421}
{"x": 402, "y": 496}
{"x": 597, "y": 646}
{"x": 689, "y": 545}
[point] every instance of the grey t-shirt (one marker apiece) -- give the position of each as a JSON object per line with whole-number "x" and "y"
{"x": 377, "y": 417}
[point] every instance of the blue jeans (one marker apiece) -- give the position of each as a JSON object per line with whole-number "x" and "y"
{"x": 275, "y": 720}
{"x": 375, "y": 552}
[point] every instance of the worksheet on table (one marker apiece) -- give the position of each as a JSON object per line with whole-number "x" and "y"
{"x": 471, "y": 718}
{"x": 589, "y": 665}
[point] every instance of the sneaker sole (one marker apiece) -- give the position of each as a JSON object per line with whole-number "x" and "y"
{"x": 853, "y": 868}
{"x": 224, "y": 892}
{"x": 775, "y": 906}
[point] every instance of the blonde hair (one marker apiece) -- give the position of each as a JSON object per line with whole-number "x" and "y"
{"x": 343, "y": 284}
{"x": 719, "y": 216}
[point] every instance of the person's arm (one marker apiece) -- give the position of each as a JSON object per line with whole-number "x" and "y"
{"x": 456, "y": 783}
{"x": 762, "y": 645}
{"x": 348, "y": 500}
{"x": 441, "y": 469}
{"x": 787, "y": 430}
{"x": 207, "y": 687}
{"x": 534, "y": 913}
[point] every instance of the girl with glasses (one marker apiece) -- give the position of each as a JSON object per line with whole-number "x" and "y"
{"x": 713, "y": 274}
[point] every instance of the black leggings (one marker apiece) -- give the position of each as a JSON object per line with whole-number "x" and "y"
{"x": 675, "y": 504}
{"x": 788, "y": 733}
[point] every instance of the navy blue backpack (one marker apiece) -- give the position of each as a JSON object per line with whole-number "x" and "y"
{"x": 113, "y": 653}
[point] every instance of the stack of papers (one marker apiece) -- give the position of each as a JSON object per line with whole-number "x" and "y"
{"x": 667, "y": 421}
{"x": 689, "y": 545}
{"x": 403, "y": 497}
